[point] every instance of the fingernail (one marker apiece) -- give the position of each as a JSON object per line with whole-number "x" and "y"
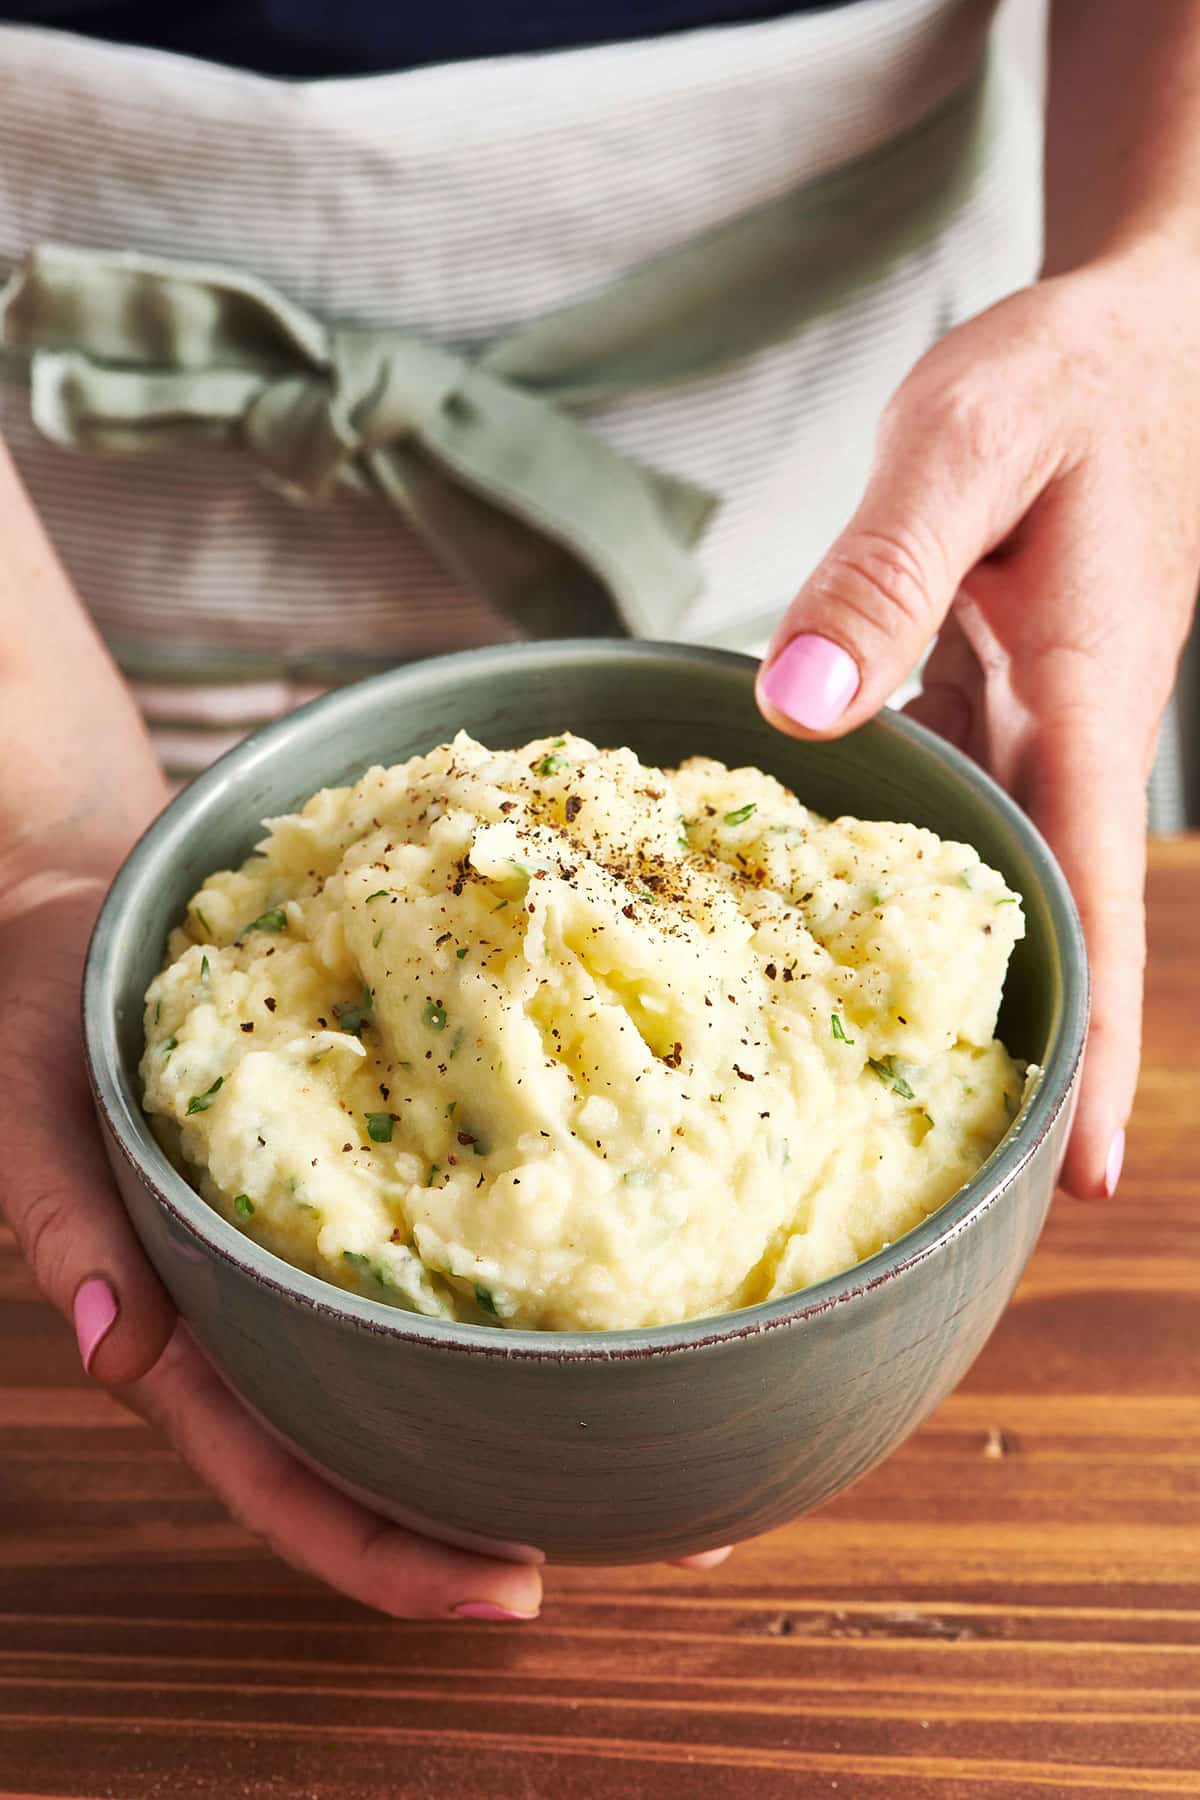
{"x": 487, "y": 1609}
{"x": 95, "y": 1314}
{"x": 710, "y": 1559}
{"x": 1112, "y": 1168}
{"x": 812, "y": 680}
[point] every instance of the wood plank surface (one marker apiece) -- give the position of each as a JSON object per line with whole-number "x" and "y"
{"x": 1010, "y": 1607}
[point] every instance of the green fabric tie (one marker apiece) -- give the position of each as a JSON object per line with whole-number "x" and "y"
{"x": 127, "y": 353}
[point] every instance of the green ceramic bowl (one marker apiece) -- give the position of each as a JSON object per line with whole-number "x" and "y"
{"x": 610, "y": 1446}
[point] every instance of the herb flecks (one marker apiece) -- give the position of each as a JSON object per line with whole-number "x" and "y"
{"x": 352, "y": 1015}
{"x": 243, "y": 1206}
{"x": 884, "y": 1068}
{"x": 740, "y": 814}
{"x": 274, "y": 919}
{"x": 379, "y": 1127}
{"x": 201, "y": 1102}
{"x": 485, "y": 1301}
{"x": 838, "y": 1029}
{"x": 434, "y": 1015}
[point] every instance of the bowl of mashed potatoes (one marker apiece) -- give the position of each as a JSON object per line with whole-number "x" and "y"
{"x": 573, "y": 1116}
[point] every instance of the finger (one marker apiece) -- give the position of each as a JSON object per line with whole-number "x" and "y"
{"x": 309, "y": 1524}
{"x": 58, "y": 1192}
{"x": 948, "y": 485}
{"x": 949, "y": 700}
{"x": 1083, "y": 781}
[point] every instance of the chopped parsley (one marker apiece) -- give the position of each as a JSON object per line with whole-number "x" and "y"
{"x": 275, "y": 919}
{"x": 172, "y": 1043}
{"x": 461, "y": 953}
{"x": 204, "y": 968}
{"x": 379, "y": 894}
{"x": 352, "y": 1015}
{"x": 501, "y": 906}
{"x": 485, "y": 1301}
{"x": 379, "y": 1127}
{"x": 243, "y": 1206}
{"x": 157, "y": 1011}
{"x": 358, "y": 1262}
{"x": 433, "y": 1170}
{"x": 838, "y": 1029}
{"x": 434, "y": 1015}
{"x": 204, "y": 924}
{"x": 450, "y": 1110}
{"x": 201, "y": 1102}
{"x": 1008, "y": 900}
{"x": 375, "y": 941}
{"x": 550, "y": 765}
{"x": 887, "y": 1072}
{"x": 740, "y": 814}
{"x": 456, "y": 1043}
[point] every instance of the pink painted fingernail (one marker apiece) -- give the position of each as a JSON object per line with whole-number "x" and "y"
{"x": 95, "y": 1314}
{"x": 812, "y": 680}
{"x": 710, "y": 1559}
{"x": 487, "y": 1609}
{"x": 1112, "y": 1168}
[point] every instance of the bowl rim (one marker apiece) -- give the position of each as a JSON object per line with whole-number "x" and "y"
{"x": 191, "y": 1214}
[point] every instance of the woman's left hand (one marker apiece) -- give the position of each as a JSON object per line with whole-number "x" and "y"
{"x": 1034, "y": 513}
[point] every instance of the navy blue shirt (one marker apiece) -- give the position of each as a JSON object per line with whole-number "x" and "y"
{"x": 307, "y": 38}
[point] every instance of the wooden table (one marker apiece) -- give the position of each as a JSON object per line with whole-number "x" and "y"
{"x": 1010, "y": 1607}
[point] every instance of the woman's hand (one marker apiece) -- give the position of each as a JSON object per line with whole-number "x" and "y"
{"x": 1034, "y": 514}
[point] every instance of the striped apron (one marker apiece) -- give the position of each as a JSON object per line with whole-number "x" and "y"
{"x": 462, "y": 202}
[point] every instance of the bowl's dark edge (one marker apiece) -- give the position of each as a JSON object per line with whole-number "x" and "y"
{"x": 987, "y": 1187}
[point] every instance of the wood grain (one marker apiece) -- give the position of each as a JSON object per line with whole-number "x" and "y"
{"x": 1009, "y": 1608}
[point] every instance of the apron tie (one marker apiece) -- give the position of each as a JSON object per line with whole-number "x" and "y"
{"x": 127, "y": 353}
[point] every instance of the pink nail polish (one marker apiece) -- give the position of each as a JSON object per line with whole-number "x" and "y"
{"x": 95, "y": 1314}
{"x": 1112, "y": 1168}
{"x": 710, "y": 1559}
{"x": 487, "y": 1609}
{"x": 812, "y": 680}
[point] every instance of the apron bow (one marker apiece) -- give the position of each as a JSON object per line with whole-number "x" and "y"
{"x": 129, "y": 354}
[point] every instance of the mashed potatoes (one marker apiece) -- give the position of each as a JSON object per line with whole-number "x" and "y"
{"x": 550, "y": 1038}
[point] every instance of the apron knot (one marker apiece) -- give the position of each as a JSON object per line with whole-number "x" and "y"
{"x": 380, "y": 389}
{"x": 129, "y": 354}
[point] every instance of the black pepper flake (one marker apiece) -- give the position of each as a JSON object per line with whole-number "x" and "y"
{"x": 674, "y": 1057}
{"x": 771, "y": 971}
{"x": 444, "y": 939}
{"x": 629, "y": 912}
{"x": 270, "y": 1003}
{"x": 789, "y": 974}
{"x": 385, "y": 1090}
{"x": 347, "y": 1146}
{"x": 741, "y": 1074}
{"x": 323, "y": 1023}
{"x": 506, "y": 806}
{"x": 573, "y": 807}
{"x": 247, "y": 1026}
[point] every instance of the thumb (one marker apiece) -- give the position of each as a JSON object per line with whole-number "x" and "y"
{"x": 948, "y": 484}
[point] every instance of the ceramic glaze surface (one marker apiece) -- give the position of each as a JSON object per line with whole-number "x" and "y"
{"x": 615, "y": 1446}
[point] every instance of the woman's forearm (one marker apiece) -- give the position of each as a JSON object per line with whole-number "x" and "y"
{"x": 78, "y": 777}
{"x": 1123, "y": 131}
